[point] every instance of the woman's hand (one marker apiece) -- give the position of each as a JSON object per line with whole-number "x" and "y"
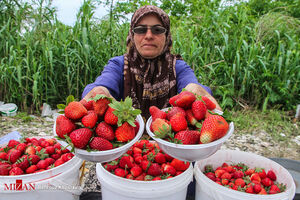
{"x": 197, "y": 89}
{"x": 98, "y": 90}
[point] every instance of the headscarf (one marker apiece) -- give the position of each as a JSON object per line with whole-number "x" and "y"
{"x": 149, "y": 81}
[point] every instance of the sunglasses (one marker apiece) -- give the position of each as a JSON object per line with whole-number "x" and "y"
{"x": 156, "y": 30}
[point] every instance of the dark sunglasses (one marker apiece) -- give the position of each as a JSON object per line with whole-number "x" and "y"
{"x": 156, "y": 30}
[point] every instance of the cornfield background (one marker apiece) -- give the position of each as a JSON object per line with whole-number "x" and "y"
{"x": 247, "y": 52}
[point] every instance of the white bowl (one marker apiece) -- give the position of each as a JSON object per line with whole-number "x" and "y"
{"x": 189, "y": 153}
{"x": 108, "y": 155}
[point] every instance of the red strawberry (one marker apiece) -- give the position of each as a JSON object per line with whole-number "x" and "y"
{"x": 22, "y": 162}
{"x": 156, "y": 178}
{"x": 145, "y": 164}
{"x": 226, "y": 175}
{"x": 31, "y": 169}
{"x": 110, "y": 117}
{"x": 249, "y": 172}
{"x": 90, "y": 119}
{"x": 173, "y": 111}
{"x": 126, "y": 162}
{"x": 191, "y": 118}
{"x": 257, "y": 188}
{"x": 219, "y": 172}
{"x": 42, "y": 164}
{"x": 211, "y": 176}
{"x": 157, "y": 113}
{"x": 213, "y": 128}
{"x": 120, "y": 172}
{"x": 104, "y": 130}
{"x": 160, "y": 158}
{"x": 263, "y": 191}
{"x": 13, "y": 143}
{"x": 34, "y": 159}
{"x": 3, "y": 156}
{"x": 188, "y": 137}
{"x": 58, "y": 162}
{"x": 111, "y": 166}
{"x": 178, "y": 122}
{"x": 75, "y": 110}
{"x": 199, "y": 110}
{"x": 154, "y": 169}
{"x": 16, "y": 171}
{"x": 266, "y": 182}
{"x": 183, "y": 100}
{"x": 271, "y": 174}
{"x": 140, "y": 177}
{"x": 249, "y": 189}
{"x": 261, "y": 172}
{"x": 50, "y": 161}
{"x": 274, "y": 189}
{"x": 137, "y": 127}
{"x": 169, "y": 169}
{"x": 209, "y": 104}
{"x": 160, "y": 127}
{"x": 255, "y": 177}
{"x": 13, "y": 155}
{"x": 55, "y": 156}
{"x": 87, "y": 104}
{"x": 100, "y": 104}
{"x": 81, "y": 137}
{"x": 239, "y": 182}
{"x": 66, "y": 157}
{"x": 50, "y": 150}
{"x": 136, "y": 171}
{"x": 125, "y": 132}
{"x": 100, "y": 144}
{"x": 4, "y": 169}
{"x": 238, "y": 174}
{"x": 64, "y": 126}
{"x": 180, "y": 165}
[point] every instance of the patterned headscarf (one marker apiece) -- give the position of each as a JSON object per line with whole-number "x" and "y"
{"x": 149, "y": 81}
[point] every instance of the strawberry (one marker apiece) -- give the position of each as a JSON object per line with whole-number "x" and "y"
{"x": 90, "y": 119}
{"x": 249, "y": 172}
{"x": 261, "y": 172}
{"x": 154, "y": 169}
{"x": 104, "y": 130}
{"x": 191, "y": 118}
{"x": 239, "y": 182}
{"x": 110, "y": 117}
{"x": 274, "y": 189}
{"x": 263, "y": 191}
{"x": 22, "y": 162}
{"x": 173, "y": 111}
{"x": 271, "y": 174}
{"x": 111, "y": 166}
{"x": 66, "y": 157}
{"x": 161, "y": 128}
{"x": 4, "y": 169}
{"x": 31, "y": 169}
{"x": 137, "y": 127}
{"x": 120, "y": 172}
{"x": 100, "y": 104}
{"x": 188, "y": 137}
{"x": 58, "y": 162}
{"x": 255, "y": 177}
{"x": 13, "y": 143}
{"x": 156, "y": 178}
{"x": 3, "y": 155}
{"x": 42, "y": 164}
{"x": 157, "y": 113}
{"x": 13, "y": 155}
{"x": 87, "y": 104}
{"x": 64, "y": 126}
{"x": 136, "y": 171}
{"x": 100, "y": 144}
{"x": 238, "y": 174}
{"x": 130, "y": 176}
{"x": 178, "y": 122}
{"x": 75, "y": 110}
{"x": 199, "y": 110}
{"x": 213, "y": 128}
{"x": 16, "y": 171}
{"x": 140, "y": 177}
{"x": 211, "y": 176}
{"x": 249, "y": 189}
{"x": 219, "y": 172}
{"x": 50, "y": 161}
{"x": 257, "y": 188}
{"x": 81, "y": 137}
{"x": 126, "y": 162}
{"x": 183, "y": 99}
{"x": 125, "y": 132}
{"x": 160, "y": 158}
{"x": 209, "y": 104}
{"x": 145, "y": 164}
{"x": 50, "y": 150}
{"x": 55, "y": 156}
{"x": 169, "y": 169}
{"x": 180, "y": 165}
{"x": 34, "y": 159}
{"x": 226, "y": 175}
{"x": 266, "y": 182}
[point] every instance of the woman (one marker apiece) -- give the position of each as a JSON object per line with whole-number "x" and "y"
{"x": 148, "y": 72}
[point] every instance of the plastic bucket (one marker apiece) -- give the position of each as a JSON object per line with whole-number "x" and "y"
{"x": 206, "y": 189}
{"x": 8, "y": 109}
{"x": 61, "y": 182}
{"x": 114, "y": 187}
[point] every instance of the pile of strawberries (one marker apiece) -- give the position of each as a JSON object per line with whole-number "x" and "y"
{"x": 98, "y": 124}
{"x": 190, "y": 120}
{"x": 145, "y": 161}
{"x": 31, "y": 155}
{"x": 242, "y": 178}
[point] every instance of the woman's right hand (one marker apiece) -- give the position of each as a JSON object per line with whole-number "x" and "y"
{"x": 98, "y": 90}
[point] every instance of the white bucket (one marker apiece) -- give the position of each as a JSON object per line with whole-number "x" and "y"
{"x": 8, "y": 109}
{"x": 61, "y": 182}
{"x": 114, "y": 187}
{"x": 206, "y": 189}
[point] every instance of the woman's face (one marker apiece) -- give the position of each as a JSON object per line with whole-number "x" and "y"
{"x": 149, "y": 45}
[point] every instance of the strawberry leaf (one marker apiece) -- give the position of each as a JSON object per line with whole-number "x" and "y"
{"x": 70, "y": 99}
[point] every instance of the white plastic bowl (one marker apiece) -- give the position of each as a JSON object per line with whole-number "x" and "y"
{"x": 108, "y": 155}
{"x": 189, "y": 153}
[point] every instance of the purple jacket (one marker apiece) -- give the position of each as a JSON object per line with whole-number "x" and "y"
{"x": 113, "y": 79}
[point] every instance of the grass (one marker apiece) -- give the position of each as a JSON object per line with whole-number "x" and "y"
{"x": 273, "y": 122}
